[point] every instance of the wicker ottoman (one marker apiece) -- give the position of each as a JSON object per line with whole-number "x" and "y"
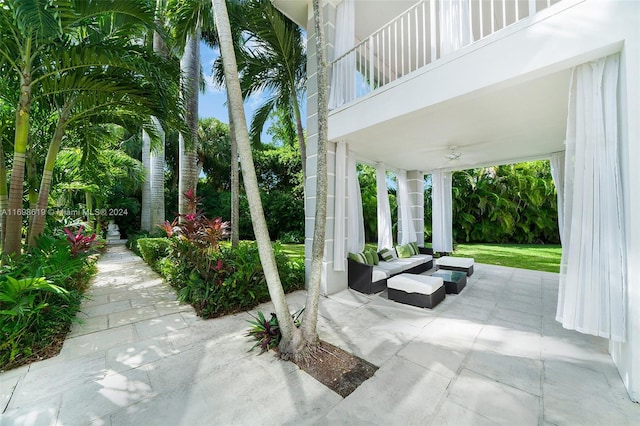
{"x": 417, "y": 290}
{"x": 460, "y": 264}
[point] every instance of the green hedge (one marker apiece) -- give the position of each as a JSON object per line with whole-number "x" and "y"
{"x": 153, "y": 249}
{"x": 222, "y": 281}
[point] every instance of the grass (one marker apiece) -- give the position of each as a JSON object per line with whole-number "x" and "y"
{"x": 523, "y": 256}
{"x": 536, "y": 257}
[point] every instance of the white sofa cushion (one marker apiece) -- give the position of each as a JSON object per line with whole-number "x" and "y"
{"x": 456, "y": 262}
{"x": 378, "y": 274}
{"x": 411, "y": 283}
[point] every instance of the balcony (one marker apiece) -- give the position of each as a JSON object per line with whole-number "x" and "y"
{"x": 426, "y": 32}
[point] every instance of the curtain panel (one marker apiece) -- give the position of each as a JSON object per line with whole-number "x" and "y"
{"x": 355, "y": 227}
{"x": 557, "y": 173}
{"x": 455, "y": 25}
{"x": 592, "y": 291}
{"x": 343, "y": 72}
{"x": 441, "y": 215}
{"x": 406, "y": 229}
{"x": 385, "y": 234}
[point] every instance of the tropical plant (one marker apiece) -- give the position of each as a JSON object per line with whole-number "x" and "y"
{"x": 274, "y": 61}
{"x": 78, "y": 242}
{"x": 267, "y": 332}
{"x": 72, "y": 57}
{"x": 250, "y": 180}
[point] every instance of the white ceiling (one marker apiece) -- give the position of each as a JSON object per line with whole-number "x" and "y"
{"x": 494, "y": 126}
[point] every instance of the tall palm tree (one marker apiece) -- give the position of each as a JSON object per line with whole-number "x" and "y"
{"x": 41, "y": 42}
{"x": 153, "y": 157}
{"x": 273, "y": 60}
{"x": 292, "y": 340}
{"x": 310, "y": 319}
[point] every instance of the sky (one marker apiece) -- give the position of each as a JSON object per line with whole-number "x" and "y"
{"x": 213, "y": 101}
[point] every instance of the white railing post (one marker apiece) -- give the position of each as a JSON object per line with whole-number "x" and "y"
{"x": 371, "y": 85}
{"x": 433, "y": 22}
{"x": 532, "y": 7}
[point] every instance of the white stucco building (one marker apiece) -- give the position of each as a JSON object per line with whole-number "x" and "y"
{"x": 431, "y": 86}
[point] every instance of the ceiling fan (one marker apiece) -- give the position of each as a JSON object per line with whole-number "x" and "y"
{"x": 454, "y": 155}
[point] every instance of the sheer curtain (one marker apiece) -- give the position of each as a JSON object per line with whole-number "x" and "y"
{"x": 557, "y": 173}
{"x": 442, "y": 205}
{"x": 343, "y": 77}
{"x": 406, "y": 230}
{"x": 455, "y": 25}
{"x": 355, "y": 228}
{"x": 592, "y": 292}
{"x": 339, "y": 255}
{"x": 385, "y": 235}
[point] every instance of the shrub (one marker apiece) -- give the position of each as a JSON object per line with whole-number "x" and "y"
{"x": 39, "y": 297}
{"x": 154, "y": 249}
{"x": 132, "y": 241}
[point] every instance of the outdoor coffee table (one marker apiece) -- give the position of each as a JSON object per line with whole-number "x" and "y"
{"x": 454, "y": 281}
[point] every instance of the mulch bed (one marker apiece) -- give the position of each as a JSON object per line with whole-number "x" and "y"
{"x": 337, "y": 369}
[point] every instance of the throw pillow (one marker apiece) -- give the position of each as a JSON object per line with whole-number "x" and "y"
{"x": 374, "y": 255}
{"x": 387, "y": 254}
{"x": 368, "y": 256}
{"x": 357, "y": 257}
{"x": 404, "y": 251}
{"x": 414, "y": 248}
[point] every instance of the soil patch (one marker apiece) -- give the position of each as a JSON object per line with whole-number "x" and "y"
{"x": 337, "y": 369}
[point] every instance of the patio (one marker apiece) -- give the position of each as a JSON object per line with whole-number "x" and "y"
{"x": 492, "y": 354}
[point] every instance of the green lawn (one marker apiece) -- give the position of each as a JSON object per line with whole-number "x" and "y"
{"x": 536, "y": 257}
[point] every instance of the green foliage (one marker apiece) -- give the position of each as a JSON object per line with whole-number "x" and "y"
{"x": 537, "y": 257}
{"x": 39, "y": 297}
{"x": 281, "y": 188}
{"x": 153, "y": 249}
{"x": 503, "y": 204}
{"x": 267, "y": 332}
{"x": 132, "y": 241}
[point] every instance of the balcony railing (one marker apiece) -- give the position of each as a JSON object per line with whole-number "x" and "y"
{"x": 428, "y": 31}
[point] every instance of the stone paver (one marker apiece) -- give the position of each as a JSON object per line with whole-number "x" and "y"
{"x": 491, "y": 355}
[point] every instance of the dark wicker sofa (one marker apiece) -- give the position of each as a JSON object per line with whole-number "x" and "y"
{"x": 360, "y": 275}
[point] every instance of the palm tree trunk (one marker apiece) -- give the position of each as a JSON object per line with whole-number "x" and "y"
{"x": 235, "y": 182}
{"x": 310, "y": 320}
{"x": 4, "y": 195}
{"x": 37, "y": 221}
{"x": 152, "y": 212}
{"x": 145, "y": 210}
{"x": 300, "y": 131}
{"x": 13, "y": 237}
{"x": 292, "y": 341}
{"x": 188, "y": 156}
{"x": 157, "y": 180}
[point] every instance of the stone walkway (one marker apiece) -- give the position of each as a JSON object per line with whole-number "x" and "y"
{"x": 491, "y": 355}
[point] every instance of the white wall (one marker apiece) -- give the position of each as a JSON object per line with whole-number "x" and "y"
{"x": 627, "y": 355}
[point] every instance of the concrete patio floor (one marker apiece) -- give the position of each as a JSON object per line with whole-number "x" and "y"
{"x": 491, "y": 355}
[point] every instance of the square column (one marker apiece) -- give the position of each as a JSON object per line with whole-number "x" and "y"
{"x": 332, "y": 281}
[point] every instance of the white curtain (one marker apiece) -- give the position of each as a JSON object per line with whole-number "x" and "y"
{"x": 442, "y": 205}
{"x": 406, "y": 229}
{"x": 355, "y": 228}
{"x": 343, "y": 73}
{"x": 339, "y": 255}
{"x": 385, "y": 235}
{"x": 557, "y": 173}
{"x": 592, "y": 291}
{"x": 455, "y": 25}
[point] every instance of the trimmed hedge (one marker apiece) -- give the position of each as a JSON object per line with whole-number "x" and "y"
{"x": 153, "y": 249}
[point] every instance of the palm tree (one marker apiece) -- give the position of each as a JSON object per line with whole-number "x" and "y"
{"x": 310, "y": 319}
{"x": 153, "y": 156}
{"x": 47, "y": 46}
{"x": 292, "y": 341}
{"x": 273, "y": 59}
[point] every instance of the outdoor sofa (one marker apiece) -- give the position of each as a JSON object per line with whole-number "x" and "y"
{"x": 368, "y": 279}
